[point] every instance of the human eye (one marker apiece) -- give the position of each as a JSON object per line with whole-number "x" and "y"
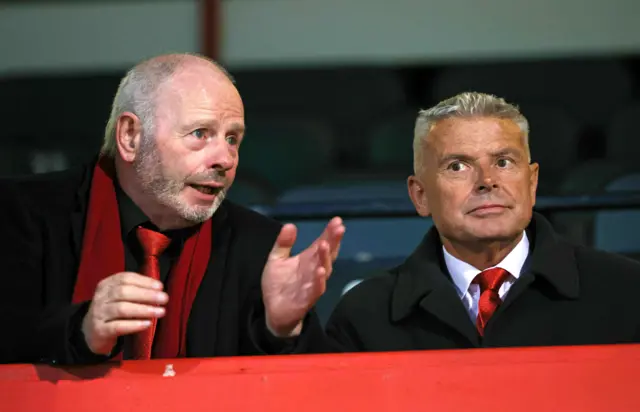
{"x": 504, "y": 162}
{"x": 457, "y": 166}
{"x": 233, "y": 139}
{"x": 199, "y": 133}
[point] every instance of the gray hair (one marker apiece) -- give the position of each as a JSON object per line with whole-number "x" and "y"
{"x": 468, "y": 104}
{"x": 138, "y": 92}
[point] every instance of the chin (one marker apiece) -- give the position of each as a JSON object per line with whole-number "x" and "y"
{"x": 196, "y": 215}
{"x": 494, "y": 231}
{"x": 192, "y": 212}
{"x": 200, "y": 213}
{"x": 495, "y": 237}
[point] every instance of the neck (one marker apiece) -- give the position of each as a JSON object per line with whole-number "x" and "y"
{"x": 481, "y": 255}
{"x": 161, "y": 216}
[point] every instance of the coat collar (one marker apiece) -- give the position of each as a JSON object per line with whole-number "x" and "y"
{"x": 424, "y": 282}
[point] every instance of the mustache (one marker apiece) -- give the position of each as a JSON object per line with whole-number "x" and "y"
{"x": 215, "y": 176}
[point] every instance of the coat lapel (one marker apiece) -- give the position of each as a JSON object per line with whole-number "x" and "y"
{"x": 550, "y": 260}
{"x": 79, "y": 214}
{"x": 444, "y": 304}
{"x": 424, "y": 285}
{"x": 202, "y": 328}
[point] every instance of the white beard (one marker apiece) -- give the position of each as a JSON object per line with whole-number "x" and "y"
{"x": 166, "y": 189}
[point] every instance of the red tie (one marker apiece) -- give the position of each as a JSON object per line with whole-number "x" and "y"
{"x": 153, "y": 244}
{"x": 490, "y": 281}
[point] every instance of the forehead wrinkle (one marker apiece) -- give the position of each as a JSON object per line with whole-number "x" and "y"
{"x": 483, "y": 134}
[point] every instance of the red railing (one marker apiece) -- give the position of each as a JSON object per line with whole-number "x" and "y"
{"x": 598, "y": 378}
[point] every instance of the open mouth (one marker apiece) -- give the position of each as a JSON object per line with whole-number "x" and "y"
{"x": 207, "y": 190}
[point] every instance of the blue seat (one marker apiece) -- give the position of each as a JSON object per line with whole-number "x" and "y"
{"x": 370, "y": 238}
{"x": 619, "y": 230}
{"x": 370, "y": 246}
{"x": 590, "y": 177}
{"x": 347, "y": 192}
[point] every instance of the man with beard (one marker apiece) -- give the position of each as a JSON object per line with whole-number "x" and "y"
{"x": 139, "y": 256}
{"x": 490, "y": 273}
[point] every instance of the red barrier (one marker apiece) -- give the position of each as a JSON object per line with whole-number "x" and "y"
{"x": 604, "y": 378}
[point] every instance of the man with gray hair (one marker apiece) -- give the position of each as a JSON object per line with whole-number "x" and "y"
{"x": 138, "y": 255}
{"x": 490, "y": 273}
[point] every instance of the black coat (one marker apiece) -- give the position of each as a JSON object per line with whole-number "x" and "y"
{"x": 567, "y": 295}
{"x": 42, "y": 219}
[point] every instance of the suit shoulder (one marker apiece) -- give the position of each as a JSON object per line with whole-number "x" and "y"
{"x": 44, "y": 192}
{"x": 46, "y": 181}
{"x": 371, "y": 295}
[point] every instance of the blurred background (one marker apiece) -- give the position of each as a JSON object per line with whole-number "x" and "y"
{"x": 331, "y": 91}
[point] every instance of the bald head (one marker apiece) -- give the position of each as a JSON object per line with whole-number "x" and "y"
{"x": 141, "y": 87}
{"x": 174, "y": 134}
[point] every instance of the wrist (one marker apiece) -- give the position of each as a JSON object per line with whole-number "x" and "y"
{"x": 100, "y": 347}
{"x": 283, "y": 331}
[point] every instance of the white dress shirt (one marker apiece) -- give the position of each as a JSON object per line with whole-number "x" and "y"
{"x": 463, "y": 274}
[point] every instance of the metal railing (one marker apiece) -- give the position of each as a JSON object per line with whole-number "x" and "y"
{"x": 404, "y": 208}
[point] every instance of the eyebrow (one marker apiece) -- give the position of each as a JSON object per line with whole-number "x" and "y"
{"x": 457, "y": 156}
{"x": 507, "y": 152}
{"x": 466, "y": 158}
{"x": 237, "y": 128}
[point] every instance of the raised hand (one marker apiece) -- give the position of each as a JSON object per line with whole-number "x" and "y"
{"x": 291, "y": 285}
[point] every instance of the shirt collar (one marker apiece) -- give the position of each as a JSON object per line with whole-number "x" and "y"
{"x": 463, "y": 273}
{"x": 131, "y": 216}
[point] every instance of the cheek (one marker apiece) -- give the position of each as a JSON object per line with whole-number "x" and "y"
{"x": 450, "y": 199}
{"x": 456, "y": 192}
{"x": 230, "y": 175}
{"x": 169, "y": 154}
{"x": 177, "y": 167}
{"x": 454, "y": 202}
{"x": 518, "y": 187}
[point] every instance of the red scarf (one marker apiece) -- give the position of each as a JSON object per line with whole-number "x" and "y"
{"x": 103, "y": 255}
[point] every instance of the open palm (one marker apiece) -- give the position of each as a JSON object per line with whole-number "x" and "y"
{"x": 291, "y": 285}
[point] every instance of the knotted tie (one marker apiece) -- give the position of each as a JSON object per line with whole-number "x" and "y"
{"x": 490, "y": 281}
{"x": 153, "y": 244}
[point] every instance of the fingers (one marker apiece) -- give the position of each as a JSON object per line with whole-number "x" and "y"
{"x": 333, "y": 234}
{"x": 131, "y": 287}
{"x": 284, "y": 242}
{"x": 125, "y": 327}
{"x": 292, "y": 285}
{"x": 128, "y": 310}
{"x": 335, "y": 241}
{"x": 319, "y": 269}
{"x": 320, "y": 284}
{"x": 325, "y": 261}
{"x": 133, "y": 279}
{"x": 122, "y": 304}
{"x": 319, "y": 257}
{"x": 136, "y": 294}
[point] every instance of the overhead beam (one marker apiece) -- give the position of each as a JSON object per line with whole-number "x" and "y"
{"x": 211, "y": 31}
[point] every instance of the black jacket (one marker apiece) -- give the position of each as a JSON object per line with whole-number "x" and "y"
{"x": 42, "y": 224}
{"x": 567, "y": 295}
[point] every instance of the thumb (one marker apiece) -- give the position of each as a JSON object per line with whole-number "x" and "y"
{"x": 284, "y": 242}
